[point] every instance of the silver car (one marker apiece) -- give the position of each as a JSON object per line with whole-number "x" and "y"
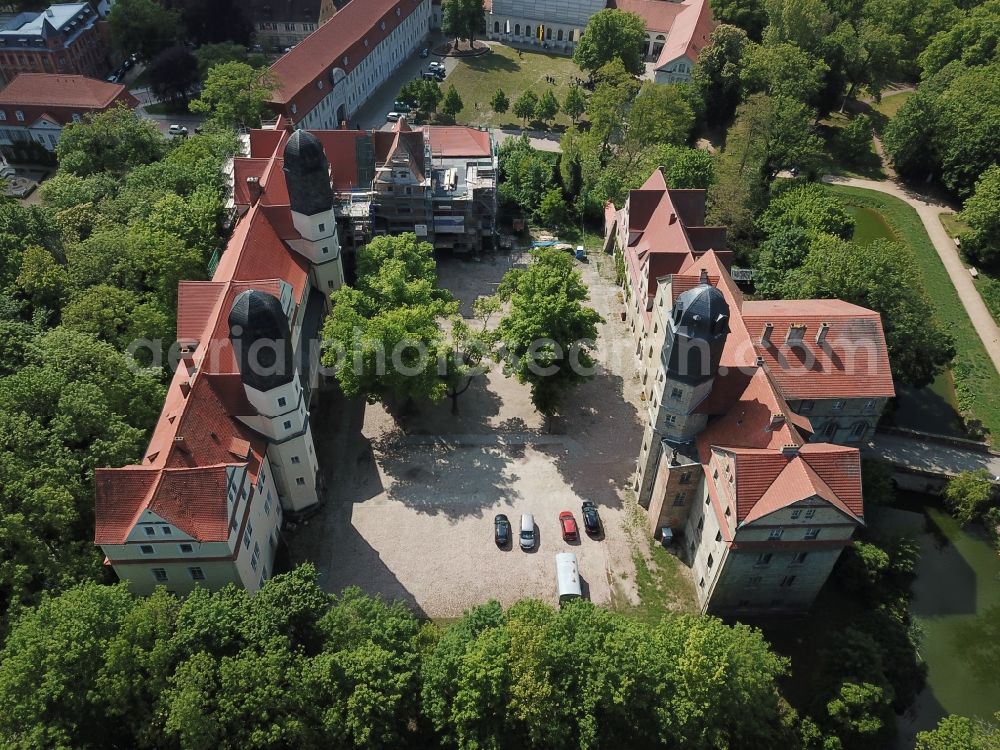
{"x": 527, "y": 536}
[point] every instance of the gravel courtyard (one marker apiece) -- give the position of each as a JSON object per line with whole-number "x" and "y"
{"x": 410, "y": 500}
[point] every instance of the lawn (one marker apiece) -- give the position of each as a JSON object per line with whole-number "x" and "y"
{"x": 476, "y": 78}
{"x": 890, "y": 105}
{"x": 976, "y": 379}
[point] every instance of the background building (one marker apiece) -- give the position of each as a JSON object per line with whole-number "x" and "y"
{"x": 745, "y": 403}
{"x": 676, "y": 32}
{"x": 436, "y": 181}
{"x": 332, "y": 72}
{"x": 233, "y": 451}
{"x": 64, "y": 38}
{"x": 36, "y": 106}
{"x": 278, "y": 24}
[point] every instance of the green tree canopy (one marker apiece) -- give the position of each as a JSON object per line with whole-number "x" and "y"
{"x": 881, "y": 276}
{"x": 526, "y": 105}
{"x": 548, "y": 334}
{"x": 499, "y": 102}
{"x": 112, "y": 141}
{"x": 463, "y": 19}
{"x": 718, "y": 74}
{"x": 548, "y": 107}
{"x": 452, "y": 103}
{"x": 426, "y": 94}
{"x": 811, "y": 207}
{"x": 981, "y": 214}
{"x": 612, "y": 34}
{"x": 968, "y": 494}
{"x": 235, "y": 95}
{"x": 384, "y": 337}
{"x": 143, "y": 26}
{"x": 575, "y": 103}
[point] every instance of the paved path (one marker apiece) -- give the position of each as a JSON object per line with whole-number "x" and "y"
{"x": 929, "y": 212}
{"x": 540, "y": 140}
{"x": 924, "y": 455}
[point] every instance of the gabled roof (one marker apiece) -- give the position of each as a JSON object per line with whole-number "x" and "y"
{"x": 50, "y": 90}
{"x": 452, "y": 141}
{"x": 851, "y": 362}
{"x": 304, "y": 73}
{"x": 689, "y": 35}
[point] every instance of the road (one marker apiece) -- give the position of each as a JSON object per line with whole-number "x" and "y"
{"x": 934, "y": 457}
{"x": 929, "y": 212}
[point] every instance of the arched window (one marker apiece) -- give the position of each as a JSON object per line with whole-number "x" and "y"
{"x": 527, "y": 31}
{"x": 548, "y": 33}
{"x": 559, "y": 35}
{"x": 517, "y": 29}
{"x": 496, "y": 27}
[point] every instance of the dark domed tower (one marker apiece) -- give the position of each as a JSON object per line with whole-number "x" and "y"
{"x": 310, "y": 195}
{"x": 694, "y": 337}
{"x": 262, "y": 344}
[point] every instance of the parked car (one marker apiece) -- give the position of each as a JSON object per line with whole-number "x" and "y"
{"x": 591, "y": 521}
{"x": 178, "y": 130}
{"x": 113, "y": 78}
{"x": 424, "y": 52}
{"x": 429, "y": 75}
{"x": 435, "y": 65}
{"x": 393, "y": 116}
{"x": 501, "y": 530}
{"x": 401, "y": 106}
{"x": 527, "y": 537}
{"x": 567, "y": 523}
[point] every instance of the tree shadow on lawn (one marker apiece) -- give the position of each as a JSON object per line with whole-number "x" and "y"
{"x": 492, "y": 62}
{"x": 607, "y": 432}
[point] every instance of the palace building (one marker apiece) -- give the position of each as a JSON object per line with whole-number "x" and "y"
{"x": 233, "y": 449}
{"x": 753, "y": 409}
{"x": 331, "y": 73}
{"x": 676, "y": 32}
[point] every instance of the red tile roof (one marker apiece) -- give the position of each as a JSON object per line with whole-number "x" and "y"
{"x": 300, "y": 71}
{"x": 456, "y": 141}
{"x": 659, "y": 16}
{"x": 59, "y": 90}
{"x": 852, "y": 362}
{"x": 689, "y": 35}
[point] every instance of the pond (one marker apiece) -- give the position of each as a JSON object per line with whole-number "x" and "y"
{"x": 956, "y": 606}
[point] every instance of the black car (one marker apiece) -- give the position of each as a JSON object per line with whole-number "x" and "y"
{"x": 424, "y": 52}
{"x": 591, "y": 521}
{"x": 501, "y": 530}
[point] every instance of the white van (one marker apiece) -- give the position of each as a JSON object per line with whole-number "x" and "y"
{"x": 527, "y": 531}
{"x": 567, "y": 577}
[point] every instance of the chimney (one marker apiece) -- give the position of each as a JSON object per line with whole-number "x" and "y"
{"x": 49, "y": 13}
{"x": 703, "y": 277}
{"x": 789, "y": 450}
{"x": 181, "y": 444}
{"x": 253, "y": 187}
{"x": 796, "y": 334}
{"x": 821, "y": 335}
{"x": 776, "y": 421}
{"x": 765, "y": 336}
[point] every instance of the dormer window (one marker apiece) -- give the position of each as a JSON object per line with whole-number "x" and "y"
{"x": 796, "y": 333}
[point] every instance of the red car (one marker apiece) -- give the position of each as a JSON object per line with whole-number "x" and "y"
{"x": 570, "y": 532}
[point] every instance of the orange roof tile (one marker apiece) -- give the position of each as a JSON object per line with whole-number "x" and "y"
{"x": 455, "y": 141}
{"x": 852, "y": 361}
{"x": 61, "y": 90}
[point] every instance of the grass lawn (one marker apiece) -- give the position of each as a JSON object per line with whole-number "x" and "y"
{"x": 890, "y": 105}
{"x": 476, "y": 78}
{"x": 976, "y": 379}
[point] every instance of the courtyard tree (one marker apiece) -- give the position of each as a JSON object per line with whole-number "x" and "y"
{"x": 548, "y": 334}
{"x": 235, "y": 94}
{"x": 525, "y": 174}
{"x": 810, "y": 207}
{"x": 968, "y": 494}
{"x": 718, "y": 74}
{"x": 173, "y": 74}
{"x": 452, "y": 103}
{"x": 575, "y": 103}
{"x": 783, "y": 69}
{"x": 961, "y": 733}
{"x": 981, "y": 213}
{"x": 499, "y": 102}
{"x": 526, "y": 105}
{"x": 463, "y": 19}
{"x": 426, "y": 94}
{"x": 384, "y": 338}
{"x": 612, "y": 34}
{"x": 548, "y": 107}
{"x": 552, "y": 211}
